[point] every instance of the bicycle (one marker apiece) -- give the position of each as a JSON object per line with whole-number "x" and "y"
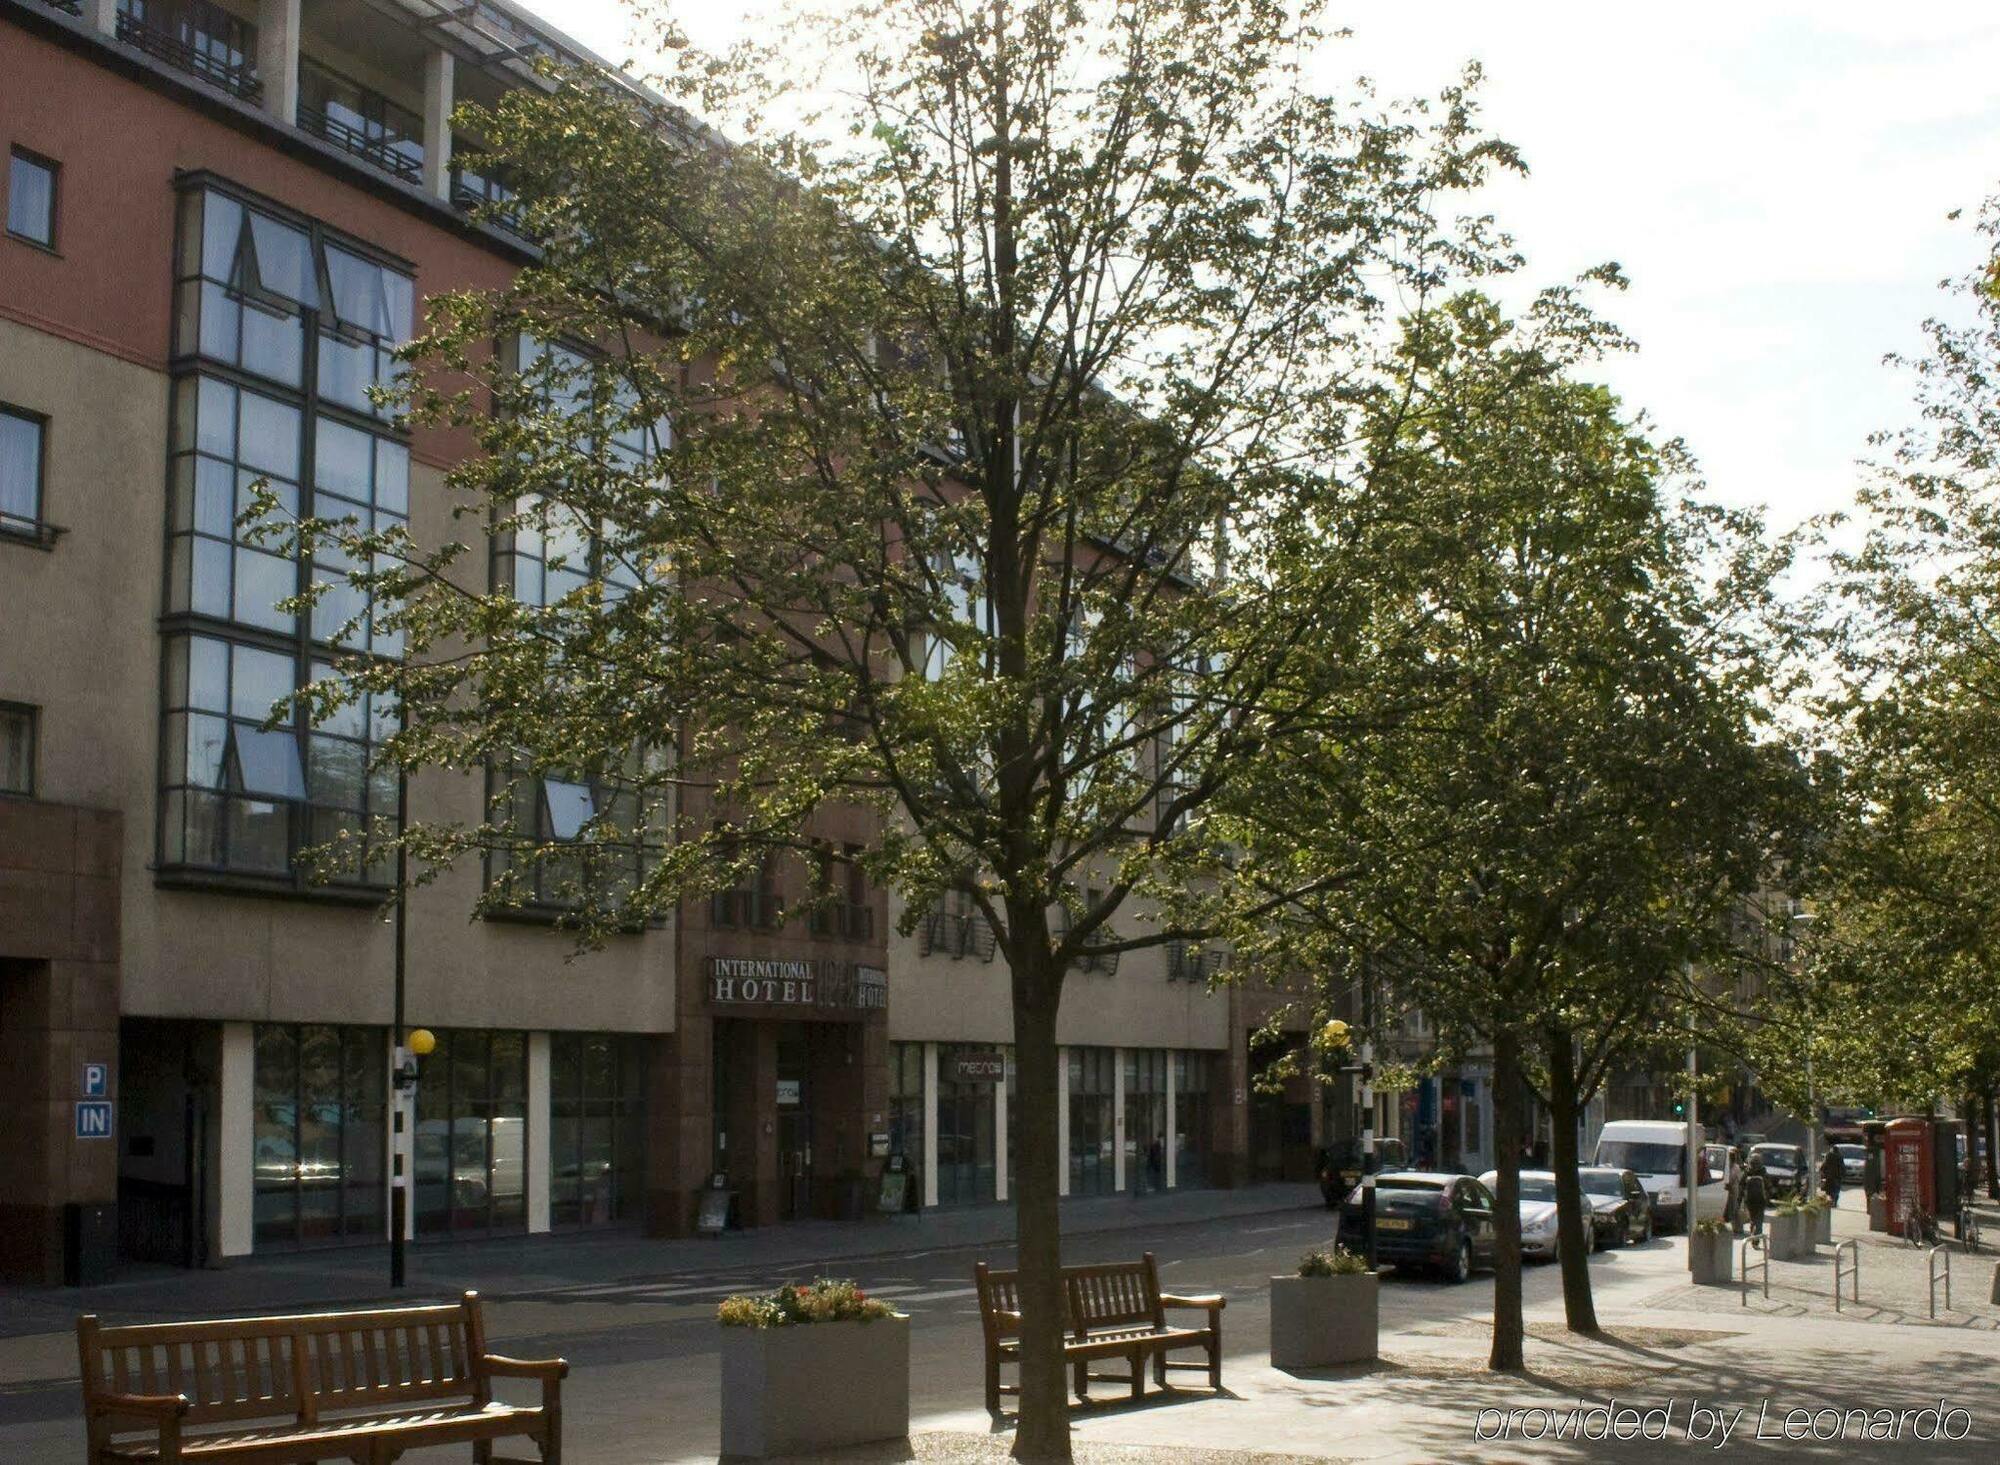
{"x": 1920, "y": 1227}
{"x": 1968, "y": 1228}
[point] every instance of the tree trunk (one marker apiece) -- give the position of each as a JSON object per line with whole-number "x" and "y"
{"x": 1042, "y": 1428}
{"x": 1572, "y": 1241}
{"x": 1507, "y": 1096}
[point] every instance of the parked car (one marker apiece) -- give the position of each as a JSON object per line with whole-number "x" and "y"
{"x": 1784, "y": 1168}
{"x": 1340, "y": 1167}
{"x": 1425, "y": 1218}
{"x": 1538, "y": 1212}
{"x": 1656, "y": 1151}
{"x": 1622, "y": 1207}
{"x": 1853, "y": 1162}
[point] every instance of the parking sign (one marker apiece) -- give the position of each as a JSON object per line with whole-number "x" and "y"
{"x": 96, "y": 1080}
{"x": 93, "y": 1119}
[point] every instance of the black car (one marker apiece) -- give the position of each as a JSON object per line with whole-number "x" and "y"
{"x": 1619, "y": 1205}
{"x": 1428, "y": 1219}
{"x": 1340, "y": 1169}
{"x": 1784, "y": 1168}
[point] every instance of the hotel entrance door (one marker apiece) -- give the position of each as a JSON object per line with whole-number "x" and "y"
{"x": 794, "y": 1125}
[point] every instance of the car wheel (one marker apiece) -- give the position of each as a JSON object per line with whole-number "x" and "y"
{"x": 1461, "y": 1261}
{"x": 1590, "y": 1237}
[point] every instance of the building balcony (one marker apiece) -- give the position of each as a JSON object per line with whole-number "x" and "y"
{"x": 396, "y": 156}
{"x": 197, "y": 38}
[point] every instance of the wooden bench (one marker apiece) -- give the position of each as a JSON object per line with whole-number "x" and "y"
{"x": 359, "y": 1386}
{"x": 1112, "y": 1310}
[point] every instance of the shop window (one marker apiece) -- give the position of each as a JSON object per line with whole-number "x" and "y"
{"x": 965, "y": 1137}
{"x": 906, "y": 1109}
{"x": 319, "y": 1134}
{"x": 471, "y": 1137}
{"x": 597, "y": 1128}
{"x": 1193, "y": 1119}
{"x": 1092, "y": 1121}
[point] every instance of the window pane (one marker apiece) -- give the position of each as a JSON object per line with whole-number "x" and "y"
{"x": 20, "y": 468}
{"x": 31, "y": 200}
{"x": 259, "y": 835}
{"x": 284, "y": 261}
{"x": 17, "y": 750}
{"x": 207, "y": 738}
{"x": 343, "y": 460}
{"x": 262, "y": 677}
{"x": 357, "y": 291}
{"x": 269, "y": 438}
{"x": 221, "y": 230}
{"x": 570, "y": 807}
{"x": 268, "y": 763}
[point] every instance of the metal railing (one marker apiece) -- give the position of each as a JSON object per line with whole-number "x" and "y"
{"x": 235, "y": 76}
{"x": 1762, "y": 1246}
{"x": 381, "y": 151}
{"x": 1942, "y": 1249}
{"x": 1843, "y": 1270}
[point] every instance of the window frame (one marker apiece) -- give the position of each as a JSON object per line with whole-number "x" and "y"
{"x": 188, "y": 366}
{"x": 53, "y": 167}
{"x": 32, "y": 714}
{"x": 37, "y": 531}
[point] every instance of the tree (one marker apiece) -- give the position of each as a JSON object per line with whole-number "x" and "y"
{"x": 928, "y": 455}
{"x": 1544, "y": 833}
{"x": 1897, "y": 1002}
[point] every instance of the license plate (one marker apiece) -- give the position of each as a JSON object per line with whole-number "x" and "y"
{"x": 1391, "y": 1223}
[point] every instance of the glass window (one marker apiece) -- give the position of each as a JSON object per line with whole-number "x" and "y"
{"x": 597, "y": 1112}
{"x": 21, "y": 435}
{"x": 31, "y": 198}
{"x": 17, "y": 749}
{"x": 1092, "y": 1121}
{"x": 471, "y": 1134}
{"x": 556, "y": 864}
{"x": 1192, "y": 1120}
{"x": 965, "y": 1138}
{"x": 906, "y": 1111}
{"x": 318, "y": 1134}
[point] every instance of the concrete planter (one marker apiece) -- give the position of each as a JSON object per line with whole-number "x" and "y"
{"x": 1317, "y": 1322}
{"x": 1712, "y": 1259}
{"x": 1791, "y": 1237}
{"x": 1823, "y": 1226}
{"x": 814, "y": 1386}
{"x": 1878, "y": 1213}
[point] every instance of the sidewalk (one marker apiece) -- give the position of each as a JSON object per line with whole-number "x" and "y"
{"x": 523, "y": 1266}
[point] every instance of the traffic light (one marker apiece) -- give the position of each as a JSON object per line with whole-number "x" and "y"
{"x": 1680, "y": 1108}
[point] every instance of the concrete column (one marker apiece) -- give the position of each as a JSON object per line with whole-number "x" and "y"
{"x": 1118, "y": 1119}
{"x": 236, "y": 1133}
{"x": 930, "y": 1124}
{"x": 1062, "y": 1121}
{"x": 1000, "y": 1133}
{"x": 278, "y": 58}
{"x": 538, "y": 1131}
{"x": 438, "y": 80}
{"x": 103, "y": 16}
{"x": 1173, "y": 1119}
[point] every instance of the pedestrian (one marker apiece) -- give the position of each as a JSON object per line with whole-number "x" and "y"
{"x": 1541, "y": 1154}
{"x": 1756, "y": 1192}
{"x": 1830, "y": 1175}
{"x": 1156, "y": 1163}
{"x": 1732, "y": 1210}
{"x": 1871, "y": 1169}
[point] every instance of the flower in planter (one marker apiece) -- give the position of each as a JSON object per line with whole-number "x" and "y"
{"x": 822, "y": 1300}
{"x": 1340, "y": 1262}
{"x": 1711, "y": 1226}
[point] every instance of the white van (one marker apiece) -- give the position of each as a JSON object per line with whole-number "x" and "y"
{"x": 1656, "y": 1151}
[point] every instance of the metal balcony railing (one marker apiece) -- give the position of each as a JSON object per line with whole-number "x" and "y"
{"x": 201, "y": 56}
{"x": 384, "y": 152}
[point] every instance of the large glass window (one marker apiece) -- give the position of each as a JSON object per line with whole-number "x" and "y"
{"x": 965, "y": 1139}
{"x": 1193, "y": 1119}
{"x": 472, "y": 1134}
{"x": 320, "y": 1133}
{"x": 1146, "y": 1117}
{"x": 17, "y": 749}
{"x": 597, "y": 1128}
{"x": 906, "y": 1108}
{"x": 1093, "y": 1128}
{"x": 599, "y": 836}
{"x": 21, "y": 435}
{"x": 266, "y": 303}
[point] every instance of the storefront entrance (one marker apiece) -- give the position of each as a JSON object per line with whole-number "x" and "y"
{"x": 794, "y": 1105}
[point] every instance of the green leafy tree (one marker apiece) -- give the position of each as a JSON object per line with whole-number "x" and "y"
{"x": 931, "y": 455}
{"x": 1539, "y": 837}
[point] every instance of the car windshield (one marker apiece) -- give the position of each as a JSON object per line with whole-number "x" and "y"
{"x": 1398, "y": 1182}
{"x": 1537, "y": 1189}
{"x": 1647, "y": 1159}
{"x": 1852, "y": 1152}
{"x": 1780, "y": 1159}
{"x": 1602, "y": 1182}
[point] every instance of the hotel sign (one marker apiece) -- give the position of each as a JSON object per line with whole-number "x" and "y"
{"x": 747, "y": 981}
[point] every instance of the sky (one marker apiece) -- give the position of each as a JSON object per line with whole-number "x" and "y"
{"x": 1776, "y": 178}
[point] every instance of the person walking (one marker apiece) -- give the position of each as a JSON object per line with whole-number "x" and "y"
{"x": 1830, "y": 1175}
{"x": 1732, "y": 1209}
{"x": 1756, "y": 1192}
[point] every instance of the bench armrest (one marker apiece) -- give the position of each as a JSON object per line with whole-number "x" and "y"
{"x": 524, "y": 1368}
{"x": 159, "y": 1407}
{"x": 1211, "y": 1302}
{"x": 1001, "y": 1314}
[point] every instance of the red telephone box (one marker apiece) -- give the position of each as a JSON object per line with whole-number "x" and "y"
{"x": 1907, "y": 1172}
